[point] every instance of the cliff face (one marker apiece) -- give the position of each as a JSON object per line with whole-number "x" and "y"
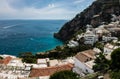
{"x": 100, "y": 11}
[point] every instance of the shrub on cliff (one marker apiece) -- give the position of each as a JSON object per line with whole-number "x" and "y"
{"x": 28, "y": 57}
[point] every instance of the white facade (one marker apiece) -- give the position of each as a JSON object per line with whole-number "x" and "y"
{"x": 90, "y": 37}
{"x": 97, "y": 50}
{"x": 44, "y": 77}
{"x": 5, "y": 55}
{"x": 109, "y": 48}
{"x": 73, "y": 43}
{"x": 16, "y": 62}
{"x": 54, "y": 62}
{"x": 106, "y": 39}
{"x": 10, "y": 76}
{"x": 42, "y": 63}
{"x": 82, "y": 67}
{"x": 114, "y": 17}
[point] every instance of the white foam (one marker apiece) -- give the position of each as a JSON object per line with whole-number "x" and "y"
{"x": 10, "y": 26}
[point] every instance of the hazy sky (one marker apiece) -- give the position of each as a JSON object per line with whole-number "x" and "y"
{"x": 41, "y": 9}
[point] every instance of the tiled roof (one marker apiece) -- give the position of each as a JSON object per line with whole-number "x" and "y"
{"x": 5, "y": 60}
{"x": 86, "y": 55}
{"x": 36, "y": 72}
{"x": 110, "y": 46}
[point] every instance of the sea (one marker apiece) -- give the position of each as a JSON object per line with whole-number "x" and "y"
{"x": 19, "y": 36}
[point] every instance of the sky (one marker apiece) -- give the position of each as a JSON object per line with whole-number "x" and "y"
{"x": 42, "y": 9}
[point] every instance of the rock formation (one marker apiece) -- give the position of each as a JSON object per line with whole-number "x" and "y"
{"x": 100, "y": 11}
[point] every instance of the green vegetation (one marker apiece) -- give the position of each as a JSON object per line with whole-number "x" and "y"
{"x": 99, "y": 45}
{"x": 115, "y": 74}
{"x": 65, "y": 75}
{"x": 112, "y": 66}
{"x": 91, "y": 76}
{"x": 115, "y": 59}
{"x": 28, "y": 57}
{"x": 118, "y": 38}
{"x": 1, "y": 57}
{"x": 102, "y": 64}
{"x": 62, "y": 52}
{"x": 79, "y": 32}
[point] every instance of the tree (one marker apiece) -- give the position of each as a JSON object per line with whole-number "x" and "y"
{"x": 28, "y": 57}
{"x": 101, "y": 63}
{"x": 99, "y": 45}
{"x": 64, "y": 75}
{"x": 1, "y": 57}
{"x": 115, "y": 74}
{"x": 115, "y": 59}
{"x": 25, "y": 54}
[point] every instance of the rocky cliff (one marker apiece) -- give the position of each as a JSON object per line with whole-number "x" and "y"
{"x": 98, "y": 12}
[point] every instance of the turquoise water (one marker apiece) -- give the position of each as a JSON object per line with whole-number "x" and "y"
{"x": 34, "y": 36}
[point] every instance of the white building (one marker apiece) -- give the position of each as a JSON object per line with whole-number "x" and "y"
{"x": 72, "y": 43}
{"x": 109, "y": 48}
{"x": 107, "y": 38}
{"x": 101, "y": 30}
{"x": 90, "y": 37}
{"x": 16, "y": 62}
{"x": 5, "y": 55}
{"x": 43, "y": 62}
{"x": 97, "y": 50}
{"x": 115, "y": 18}
{"x": 84, "y": 62}
{"x": 79, "y": 36}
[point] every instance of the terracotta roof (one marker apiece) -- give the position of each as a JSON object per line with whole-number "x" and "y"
{"x": 36, "y": 72}
{"x": 86, "y": 55}
{"x": 5, "y": 60}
